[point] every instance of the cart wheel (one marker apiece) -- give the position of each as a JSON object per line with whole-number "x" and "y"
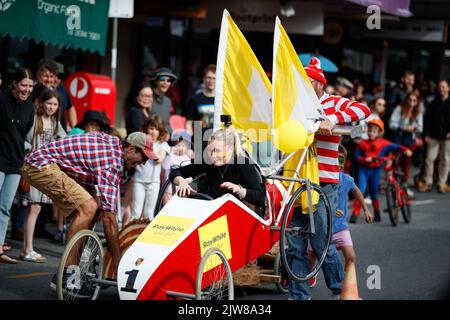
{"x": 214, "y": 271}
{"x": 289, "y": 234}
{"x": 283, "y": 285}
{"x": 81, "y": 264}
{"x": 392, "y": 204}
{"x": 406, "y": 208}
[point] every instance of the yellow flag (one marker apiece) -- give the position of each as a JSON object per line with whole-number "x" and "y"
{"x": 294, "y": 98}
{"x": 294, "y": 101}
{"x": 243, "y": 89}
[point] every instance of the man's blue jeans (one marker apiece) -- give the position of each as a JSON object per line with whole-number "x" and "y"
{"x": 297, "y": 254}
{"x": 8, "y": 188}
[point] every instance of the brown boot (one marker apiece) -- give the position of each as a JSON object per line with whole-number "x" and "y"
{"x": 444, "y": 188}
{"x": 422, "y": 187}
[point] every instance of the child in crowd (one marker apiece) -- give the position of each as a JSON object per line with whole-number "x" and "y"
{"x": 147, "y": 177}
{"x": 367, "y": 154}
{"x": 93, "y": 121}
{"x": 179, "y": 156}
{"x": 378, "y": 110}
{"x": 341, "y": 233}
{"x": 46, "y": 128}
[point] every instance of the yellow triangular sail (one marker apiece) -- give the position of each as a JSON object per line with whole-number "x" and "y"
{"x": 243, "y": 89}
{"x": 294, "y": 100}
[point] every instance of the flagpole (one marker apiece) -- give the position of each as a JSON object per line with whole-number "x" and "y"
{"x": 276, "y": 38}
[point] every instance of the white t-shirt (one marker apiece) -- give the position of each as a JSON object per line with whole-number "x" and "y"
{"x": 150, "y": 172}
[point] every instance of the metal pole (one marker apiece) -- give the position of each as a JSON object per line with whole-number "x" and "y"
{"x": 114, "y": 49}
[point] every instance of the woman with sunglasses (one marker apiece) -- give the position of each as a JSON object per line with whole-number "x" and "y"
{"x": 163, "y": 80}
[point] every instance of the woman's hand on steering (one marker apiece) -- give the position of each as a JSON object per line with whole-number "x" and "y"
{"x": 184, "y": 188}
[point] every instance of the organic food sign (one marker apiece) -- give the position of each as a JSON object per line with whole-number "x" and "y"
{"x": 70, "y": 23}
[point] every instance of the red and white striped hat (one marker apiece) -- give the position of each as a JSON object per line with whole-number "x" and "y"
{"x": 314, "y": 71}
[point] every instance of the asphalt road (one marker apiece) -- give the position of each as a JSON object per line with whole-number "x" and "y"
{"x": 413, "y": 260}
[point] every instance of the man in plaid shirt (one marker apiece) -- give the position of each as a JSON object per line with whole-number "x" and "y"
{"x": 68, "y": 170}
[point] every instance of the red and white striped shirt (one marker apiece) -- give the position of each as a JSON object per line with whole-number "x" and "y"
{"x": 338, "y": 110}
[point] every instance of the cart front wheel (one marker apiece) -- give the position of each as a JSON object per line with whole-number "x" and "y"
{"x": 292, "y": 236}
{"x": 81, "y": 264}
{"x": 214, "y": 278}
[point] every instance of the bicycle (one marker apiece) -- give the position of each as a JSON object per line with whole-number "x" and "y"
{"x": 396, "y": 194}
{"x": 81, "y": 270}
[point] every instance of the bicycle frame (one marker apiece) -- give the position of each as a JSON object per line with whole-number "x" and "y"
{"x": 393, "y": 180}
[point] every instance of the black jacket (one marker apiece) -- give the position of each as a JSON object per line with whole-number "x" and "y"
{"x": 240, "y": 172}
{"x": 437, "y": 119}
{"x": 16, "y": 120}
{"x": 135, "y": 119}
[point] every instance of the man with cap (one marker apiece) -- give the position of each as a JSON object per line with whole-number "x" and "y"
{"x": 67, "y": 168}
{"x": 162, "y": 81}
{"x": 336, "y": 110}
{"x": 344, "y": 87}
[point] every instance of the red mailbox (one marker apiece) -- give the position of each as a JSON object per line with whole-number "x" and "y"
{"x": 92, "y": 91}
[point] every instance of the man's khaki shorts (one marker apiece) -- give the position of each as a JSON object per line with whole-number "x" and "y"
{"x": 65, "y": 193}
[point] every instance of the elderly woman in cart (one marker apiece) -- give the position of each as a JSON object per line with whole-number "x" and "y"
{"x": 227, "y": 170}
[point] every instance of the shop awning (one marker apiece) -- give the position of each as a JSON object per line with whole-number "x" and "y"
{"x": 67, "y": 23}
{"x": 395, "y": 7}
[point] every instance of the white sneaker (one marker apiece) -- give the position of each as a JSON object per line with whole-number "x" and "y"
{"x": 335, "y": 297}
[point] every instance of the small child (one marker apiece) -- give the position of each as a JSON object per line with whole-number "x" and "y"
{"x": 341, "y": 233}
{"x": 179, "y": 156}
{"x": 147, "y": 177}
{"x": 367, "y": 154}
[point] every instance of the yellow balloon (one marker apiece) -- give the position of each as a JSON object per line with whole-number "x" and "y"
{"x": 291, "y": 136}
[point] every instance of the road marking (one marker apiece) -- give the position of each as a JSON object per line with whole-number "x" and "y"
{"x": 422, "y": 202}
{"x": 29, "y": 275}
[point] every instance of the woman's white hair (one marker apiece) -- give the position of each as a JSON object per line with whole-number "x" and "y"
{"x": 231, "y": 139}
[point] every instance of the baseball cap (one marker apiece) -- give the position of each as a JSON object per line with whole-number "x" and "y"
{"x": 341, "y": 81}
{"x": 144, "y": 142}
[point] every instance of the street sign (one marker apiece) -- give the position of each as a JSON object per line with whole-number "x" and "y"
{"x": 121, "y": 8}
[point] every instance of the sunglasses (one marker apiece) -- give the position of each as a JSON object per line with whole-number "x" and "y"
{"x": 162, "y": 78}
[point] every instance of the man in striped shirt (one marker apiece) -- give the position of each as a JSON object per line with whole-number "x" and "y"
{"x": 336, "y": 110}
{"x": 69, "y": 169}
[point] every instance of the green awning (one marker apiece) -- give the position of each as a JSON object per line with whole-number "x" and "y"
{"x": 69, "y": 23}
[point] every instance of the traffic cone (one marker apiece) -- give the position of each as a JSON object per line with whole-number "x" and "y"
{"x": 350, "y": 286}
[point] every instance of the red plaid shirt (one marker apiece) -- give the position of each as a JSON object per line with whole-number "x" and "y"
{"x": 90, "y": 159}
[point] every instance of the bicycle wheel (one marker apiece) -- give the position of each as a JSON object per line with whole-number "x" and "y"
{"x": 279, "y": 270}
{"x": 214, "y": 271}
{"x": 289, "y": 234}
{"x": 392, "y": 203}
{"x": 81, "y": 264}
{"x": 406, "y": 208}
